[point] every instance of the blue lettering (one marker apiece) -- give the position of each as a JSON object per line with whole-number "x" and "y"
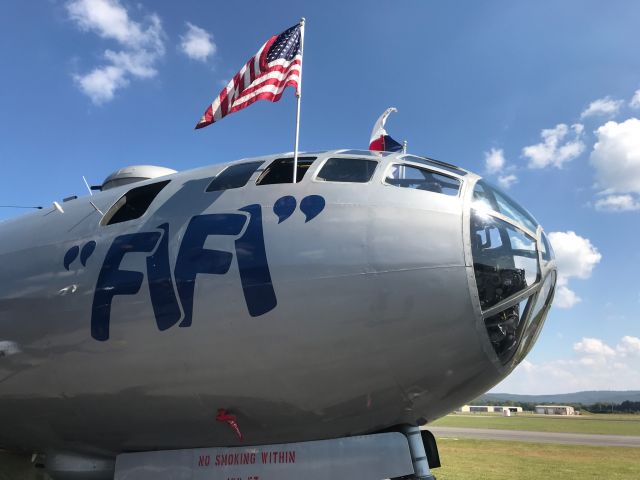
{"x": 163, "y": 298}
{"x": 193, "y": 258}
{"x": 253, "y": 266}
{"x": 112, "y": 281}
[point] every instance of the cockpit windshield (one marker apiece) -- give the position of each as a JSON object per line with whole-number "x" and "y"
{"x": 546, "y": 249}
{"x": 509, "y": 261}
{"x": 506, "y": 328}
{"x": 505, "y": 259}
{"x": 486, "y": 197}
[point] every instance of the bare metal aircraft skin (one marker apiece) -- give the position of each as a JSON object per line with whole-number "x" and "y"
{"x": 336, "y": 306}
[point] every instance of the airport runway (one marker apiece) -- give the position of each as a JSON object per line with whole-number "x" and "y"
{"x": 539, "y": 437}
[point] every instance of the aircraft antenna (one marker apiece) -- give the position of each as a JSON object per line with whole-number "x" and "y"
{"x": 86, "y": 184}
{"x": 96, "y": 208}
{"x": 404, "y": 146}
{"x": 20, "y": 206}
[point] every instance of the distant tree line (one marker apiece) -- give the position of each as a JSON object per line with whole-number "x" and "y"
{"x": 624, "y": 407}
{"x": 599, "y": 407}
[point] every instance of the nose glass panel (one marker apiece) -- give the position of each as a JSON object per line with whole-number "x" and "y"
{"x": 486, "y": 197}
{"x": 546, "y": 249}
{"x": 535, "y": 319}
{"x": 505, "y": 329}
{"x": 505, "y": 259}
{"x": 506, "y": 263}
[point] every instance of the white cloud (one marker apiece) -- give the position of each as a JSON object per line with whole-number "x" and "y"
{"x": 101, "y": 83}
{"x": 495, "y": 163}
{"x": 143, "y": 46}
{"x": 606, "y": 106}
{"x": 505, "y": 181}
{"x": 617, "y": 203}
{"x": 197, "y": 43}
{"x": 616, "y": 156}
{"x": 138, "y": 63}
{"x": 635, "y": 100}
{"x": 593, "y": 346}
{"x": 494, "y": 160}
{"x": 555, "y": 149}
{"x": 576, "y": 257}
{"x": 629, "y": 346}
{"x": 565, "y": 297}
{"x": 593, "y": 365}
{"x": 107, "y": 18}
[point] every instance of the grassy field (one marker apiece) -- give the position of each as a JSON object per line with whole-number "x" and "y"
{"x": 599, "y": 424}
{"x": 496, "y": 460}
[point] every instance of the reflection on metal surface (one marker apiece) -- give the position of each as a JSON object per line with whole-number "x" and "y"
{"x": 8, "y": 348}
{"x": 67, "y": 290}
{"x": 72, "y": 466}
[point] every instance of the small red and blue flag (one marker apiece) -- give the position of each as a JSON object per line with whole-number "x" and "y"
{"x": 380, "y": 140}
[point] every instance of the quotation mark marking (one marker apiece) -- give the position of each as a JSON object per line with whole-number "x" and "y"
{"x": 311, "y": 206}
{"x": 85, "y": 253}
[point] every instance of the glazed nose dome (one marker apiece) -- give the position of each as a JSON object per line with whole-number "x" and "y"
{"x": 514, "y": 272}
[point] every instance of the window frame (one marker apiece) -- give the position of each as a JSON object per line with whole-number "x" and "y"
{"x": 507, "y": 301}
{"x": 489, "y": 208}
{"x": 113, "y": 210}
{"x": 547, "y": 255}
{"x": 262, "y": 171}
{"x": 425, "y": 168}
{"x": 257, "y": 169}
{"x": 431, "y": 162}
{"x": 338, "y": 157}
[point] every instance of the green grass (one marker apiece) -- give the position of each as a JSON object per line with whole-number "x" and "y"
{"x": 598, "y": 424}
{"x": 499, "y": 460}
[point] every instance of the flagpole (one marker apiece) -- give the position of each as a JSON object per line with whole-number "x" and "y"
{"x": 298, "y": 95}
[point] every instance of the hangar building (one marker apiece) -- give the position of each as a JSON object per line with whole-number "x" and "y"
{"x": 555, "y": 410}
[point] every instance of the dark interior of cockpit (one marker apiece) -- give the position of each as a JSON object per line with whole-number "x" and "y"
{"x": 281, "y": 171}
{"x": 133, "y": 204}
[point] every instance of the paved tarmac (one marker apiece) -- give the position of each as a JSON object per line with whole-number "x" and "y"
{"x": 538, "y": 437}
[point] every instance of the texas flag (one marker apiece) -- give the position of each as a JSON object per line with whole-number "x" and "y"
{"x": 380, "y": 141}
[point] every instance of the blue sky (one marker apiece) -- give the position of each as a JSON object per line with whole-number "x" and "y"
{"x": 542, "y": 96}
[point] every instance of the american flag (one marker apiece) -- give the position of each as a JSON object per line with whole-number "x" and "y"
{"x": 277, "y": 65}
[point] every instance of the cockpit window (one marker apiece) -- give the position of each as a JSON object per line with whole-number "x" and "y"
{"x": 536, "y": 317}
{"x": 353, "y": 170}
{"x": 505, "y": 329}
{"x": 281, "y": 171}
{"x": 234, "y": 176}
{"x": 546, "y": 249}
{"x": 505, "y": 259}
{"x": 435, "y": 163}
{"x": 408, "y": 176}
{"x": 489, "y": 198}
{"x": 133, "y": 204}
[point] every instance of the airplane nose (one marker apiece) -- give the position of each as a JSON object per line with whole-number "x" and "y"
{"x": 514, "y": 271}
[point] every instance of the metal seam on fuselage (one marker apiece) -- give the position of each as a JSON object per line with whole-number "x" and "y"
{"x": 347, "y": 275}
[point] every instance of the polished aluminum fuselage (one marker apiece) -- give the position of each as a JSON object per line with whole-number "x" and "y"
{"x": 377, "y": 322}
